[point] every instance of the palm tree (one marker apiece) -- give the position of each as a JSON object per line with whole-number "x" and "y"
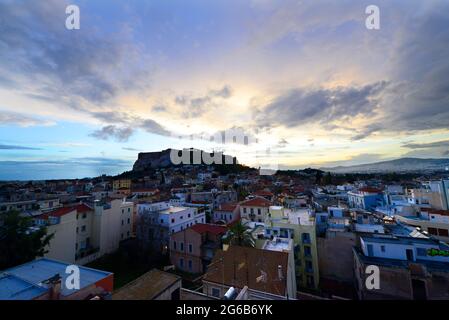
{"x": 240, "y": 235}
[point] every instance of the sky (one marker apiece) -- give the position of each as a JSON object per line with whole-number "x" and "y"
{"x": 305, "y": 81}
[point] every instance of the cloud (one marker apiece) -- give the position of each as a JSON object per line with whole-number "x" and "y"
{"x": 22, "y": 120}
{"x": 152, "y": 126}
{"x": 130, "y": 149}
{"x": 111, "y": 131}
{"x": 13, "y": 147}
{"x": 196, "y": 106}
{"x": 302, "y": 105}
{"x": 159, "y": 108}
{"x": 80, "y": 68}
{"x": 225, "y": 92}
{"x": 436, "y": 144}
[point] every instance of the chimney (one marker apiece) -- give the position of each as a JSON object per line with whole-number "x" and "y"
{"x": 54, "y": 286}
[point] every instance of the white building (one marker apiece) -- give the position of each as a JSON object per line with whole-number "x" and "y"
{"x": 157, "y": 221}
{"x": 83, "y": 233}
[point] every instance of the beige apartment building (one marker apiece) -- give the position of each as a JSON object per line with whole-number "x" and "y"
{"x": 83, "y": 233}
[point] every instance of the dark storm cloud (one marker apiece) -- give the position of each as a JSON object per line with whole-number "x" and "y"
{"x": 113, "y": 132}
{"x": 299, "y": 106}
{"x": 39, "y": 54}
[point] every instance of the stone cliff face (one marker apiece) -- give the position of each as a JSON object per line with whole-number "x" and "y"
{"x": 161, "y": 159}
{"x": 145, "y": 160}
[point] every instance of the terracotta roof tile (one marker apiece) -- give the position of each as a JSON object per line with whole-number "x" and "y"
{"x": 243, "y": 265}
{"x": 211, "y": 228}
{"x": 256, "y": 202}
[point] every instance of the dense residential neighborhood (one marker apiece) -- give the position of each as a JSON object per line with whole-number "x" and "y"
{"x": 212, "y": 158}
{"x": 295, "y": 235}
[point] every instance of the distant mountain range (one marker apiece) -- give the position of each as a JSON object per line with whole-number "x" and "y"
{"x": 397, "y": 165}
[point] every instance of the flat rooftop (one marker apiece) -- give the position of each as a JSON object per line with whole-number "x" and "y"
{"x": 300, "y": 217}
{"x": 14, "y": 288}
{"x": 147, "y": 287}
{"x": 280, "y": 245}
{"x": 172, "y": 210}
{"x": 37, "y": 271}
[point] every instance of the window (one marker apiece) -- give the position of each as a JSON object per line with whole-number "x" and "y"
{"x": 181, "y": 263}
{"x": 181, "y": 245}
{"x": 174, "y": 245}
{"x": 84, "y": 215}
{"x": 309, "y": 266}
{"x": 190, "y": 248}
{"x": 172, "y": 220}
{"x": 306, "y": 238}
{"x": 244, "y": 210}
{"x": 121, "y": 236}
{"x": 127, "y": 234}
{"x": 182, "y": 217}
{"x": 216, "y": 292}
{"x": 259, "y": 212}
{"x": 129, "y": 220}
{"x": 252, "y": 211}
{"x": 382, "y": 248}
{"x": 190, "y": 264}
{"x": 123, "y": 210}
{"x": 129, "y": 209}
{"x": 433, "y": 231}
{"x": 123, "y": 222}
{"x": 307, "y": 251}
{"x": 421, "y": 252}
{"x": 83, "y": 228}
{"x": 188, "y": 216}
{"x": 77, "y": 229}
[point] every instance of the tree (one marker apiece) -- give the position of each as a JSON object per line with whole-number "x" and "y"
{"x": 240, "y": 235}
{"x": 19, "y": 243}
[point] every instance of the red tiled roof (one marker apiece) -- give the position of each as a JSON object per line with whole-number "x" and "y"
{"x": 228, "y": 206}
{"x": 60, "y": 212}
{"x": 256, "y": 202}
{"x": 263, "y": 193}
{"x": 82, "y": 208}
{"x": 242, "y": 266}
{"x": 212, "y": 228}
{"x": 370, "y": 190}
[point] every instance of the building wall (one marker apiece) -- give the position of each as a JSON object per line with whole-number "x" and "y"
{"x": 186, "y": 237}
{"x": 335, "y": 256}
{"x": 425, "y": 225}
{"x": 301, "y": 259}
{"x": 245, "y": 213}
{"x": 62, "y": 246}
